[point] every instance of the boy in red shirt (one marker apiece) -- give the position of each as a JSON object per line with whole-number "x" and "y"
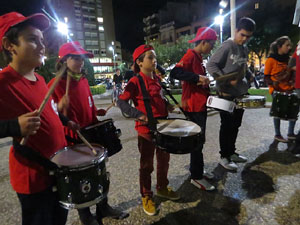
{"x": 145, "y": 63}
{"x": 80, "y": 108}
{"x": 22, "y": 91}
{"x": 191, "y": 72}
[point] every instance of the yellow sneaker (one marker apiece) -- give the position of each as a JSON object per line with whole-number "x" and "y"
{"x": 168, "y": 193}
{"x": 149, "y": 206}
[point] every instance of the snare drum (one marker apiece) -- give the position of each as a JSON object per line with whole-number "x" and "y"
{"x": 178, "y": 136}
{"x": 105, "y": 134}
{"x": 251, "y": 102}
{"x": 220, "y": 103}
{"x": 285, "y": 106}
{"x": 81, "y": 179}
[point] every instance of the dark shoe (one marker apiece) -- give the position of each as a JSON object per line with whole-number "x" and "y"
{"x": 291, "y": 137}
{"x": 108, "y": 211}
{"x": 280, "y": 139}
{"x": 86, "y": 218}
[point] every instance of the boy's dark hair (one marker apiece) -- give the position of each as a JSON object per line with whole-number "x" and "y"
{"x": 246, "y": 23}
{"x": 118, "y": 69}
{"x": 12, "y": 35}
{"x": 141, "y": 59}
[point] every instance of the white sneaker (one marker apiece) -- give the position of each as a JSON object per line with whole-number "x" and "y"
{"x": 208, "y": 175}
{"x": 203, "y": 184}
{"x": 238, "y": 158}
{"x": 228, "y": 164}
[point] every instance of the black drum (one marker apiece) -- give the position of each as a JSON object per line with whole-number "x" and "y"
{"x": 81, "y": 179}
{"x": 285, "y": 106}
{"x": 104, "y": 133}
{"x": 178, "y": 136}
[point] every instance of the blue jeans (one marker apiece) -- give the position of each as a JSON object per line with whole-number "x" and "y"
{"x": 196, "y": 159}
{"x": 277, "y": 127}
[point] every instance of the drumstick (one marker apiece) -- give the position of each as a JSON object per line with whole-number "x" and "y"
{"x": 110, "y": 106}
{"x": 86, "y": 142}
{"x": 223, "y": 77}
{"x": 59, "y": 75}
{"x": 67, "y": 93}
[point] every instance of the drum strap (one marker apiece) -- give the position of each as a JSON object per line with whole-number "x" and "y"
{"x": 174, "y": 100}
{"x": 146, "y": 97}
{"x": 34, "y": 156}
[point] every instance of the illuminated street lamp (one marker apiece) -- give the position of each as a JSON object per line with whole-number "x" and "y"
{"x": 114, "y": 60}
{"x": 219, "y": 20}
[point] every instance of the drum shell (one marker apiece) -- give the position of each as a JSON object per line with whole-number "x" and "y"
{"x": 285, "y": 106}
{"x": 251, "y": 103}
{"x": 105, "y": 134}
{"x": 72, "y": 181}
{"x": 179, "y": 145}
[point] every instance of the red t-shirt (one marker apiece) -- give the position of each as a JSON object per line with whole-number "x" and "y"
{"x": 296, "y": 55}
{"x": 133, "y": 91}
{"x": 193, "y": 96}
{"x": 81, "y": 109}
{"x": 18, "y": 96}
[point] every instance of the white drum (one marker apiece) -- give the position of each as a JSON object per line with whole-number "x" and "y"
{"x": 178, "y": 136}
{"x": 220, "y": 103}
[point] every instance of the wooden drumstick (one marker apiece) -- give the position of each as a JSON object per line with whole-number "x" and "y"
{"x": 59, "y": 75}
{"x": 223, "y": 77}
{"x": 110, "y": 106}
{"x": 86, "y": 142}
{"x": 67, "y": 93}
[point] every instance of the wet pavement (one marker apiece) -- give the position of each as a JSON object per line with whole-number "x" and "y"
{"x": 265, "y": 191}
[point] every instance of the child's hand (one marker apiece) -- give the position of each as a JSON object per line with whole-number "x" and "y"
{"x": 101, "y": 112}
{"x": 203, "y": 80}
{"x": 73, "y": 126}
{"x": 63, "y": 103}
{"x": 143, "y": 119}
{"x": 170, "y": 107}
{"x": 29, "y": 123}
{"x": 233, "y": 82}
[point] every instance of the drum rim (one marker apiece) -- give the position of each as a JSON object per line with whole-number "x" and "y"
{"x": 101, "y": 158}
{"x": 99, "y": 123}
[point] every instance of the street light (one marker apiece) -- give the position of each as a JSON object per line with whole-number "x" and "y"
{"x": 114, "y": 61}
{"x": 219, "y": 20}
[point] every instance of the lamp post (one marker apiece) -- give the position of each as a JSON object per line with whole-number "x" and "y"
{"x": 219, "y": 20}
{"x": 114, "y": 61}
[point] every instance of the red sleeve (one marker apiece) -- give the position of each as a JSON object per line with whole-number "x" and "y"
{"x": 131, "y": 90}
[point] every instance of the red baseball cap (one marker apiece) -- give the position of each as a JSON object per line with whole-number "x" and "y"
{"x": 204, "y": 33}
{"x": 140, "y": 50}
{"x": 11, "y": 19}
{"x": 73, "y": 48}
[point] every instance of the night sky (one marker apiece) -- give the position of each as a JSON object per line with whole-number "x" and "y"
{"x": 128, "y": 16}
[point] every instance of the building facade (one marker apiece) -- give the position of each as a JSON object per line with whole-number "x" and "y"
{"x": 90, "y": 22}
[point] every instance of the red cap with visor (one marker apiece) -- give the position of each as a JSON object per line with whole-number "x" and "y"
{"x": 73, "y": 48}
{"x": 204, "y": 33}
{"x": 140, "y": 50}
{"x": 12, "y": 19}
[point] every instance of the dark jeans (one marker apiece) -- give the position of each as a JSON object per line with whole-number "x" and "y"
{"x": 42, "y": 209}
{"x": 230, "y": 123}
{"x": 85, "y": 212}
{"x": 196, "y": 159}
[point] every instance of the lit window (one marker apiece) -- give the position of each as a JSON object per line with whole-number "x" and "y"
{"x": 101, "y": 28}
{"x": 100, "y": 19}
{"x": 256, "y": 6}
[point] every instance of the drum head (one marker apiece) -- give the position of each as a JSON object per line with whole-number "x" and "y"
{"x": 178, "y": 127}
{"x": 77, "y": 155}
